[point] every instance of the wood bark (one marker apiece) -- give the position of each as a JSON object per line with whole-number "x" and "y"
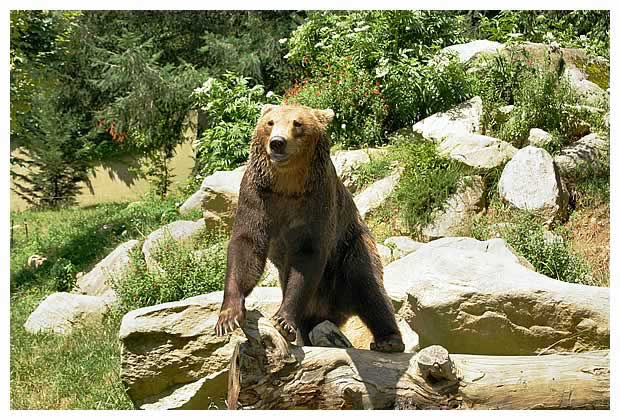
{"x": 266, "y": 372}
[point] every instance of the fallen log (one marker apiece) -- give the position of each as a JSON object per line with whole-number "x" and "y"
{"x": 266, "y": 372}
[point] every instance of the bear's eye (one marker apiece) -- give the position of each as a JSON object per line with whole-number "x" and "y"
{"x": 297, "y": 123}
{"x": 270, "y": 123}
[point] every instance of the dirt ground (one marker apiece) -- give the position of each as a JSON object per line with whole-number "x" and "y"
{"x": 590, "y": 239}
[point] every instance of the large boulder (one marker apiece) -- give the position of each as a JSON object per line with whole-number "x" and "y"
{"x": 168, "y": 350}
{"x": 539, "y": 138}
{"x": 476, "y": 302}
{"x": 529, "y": 182}
{"x": 375, "y": 194}
{"x": 460, "y": 120}
{"x": 179, "y": 231}
{"x": 471, "y": 50}
{"x": 97, "y": 281}
{"x": 401, "y": 246}
{"x": 588, "y": 153}
{"x": 61, "y": 312}
{"x": 346, "y": 161}
{"x": 492, "y": 247}
{"x": 456, "y": 216}
{"x": 171, "y": 357}
{"x": 476, "y": 150}
{"x": 218, "y": 193}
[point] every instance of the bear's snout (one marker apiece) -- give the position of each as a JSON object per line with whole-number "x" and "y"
{"x": 277, "y": 144}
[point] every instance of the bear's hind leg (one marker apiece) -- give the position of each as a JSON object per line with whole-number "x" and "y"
{"x": 370, "y": 301}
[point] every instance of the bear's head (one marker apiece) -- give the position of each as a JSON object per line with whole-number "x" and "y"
{"x": 289, "y": 134}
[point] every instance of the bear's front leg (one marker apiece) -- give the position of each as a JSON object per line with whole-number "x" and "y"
{"x": 305, "y": 274}
{"x": 246, "y": 261}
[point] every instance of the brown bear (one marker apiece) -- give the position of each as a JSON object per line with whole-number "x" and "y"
{"x": 295, "y": 210}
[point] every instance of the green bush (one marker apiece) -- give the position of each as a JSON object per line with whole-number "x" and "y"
{"x": 551, "y": 258}
{"x": 426, "y": 182}
{"x": 355, "y": 97}
{"x": 62, "y": 273}
{"x": 415, "y": 89}
{"x": 373, "y": 69}
{"x": 371, "y": 171}
{"x": 233, "y": 107}
{"x": 183, "y": 274}
{"x": 587, "y": 29}
{"x": 541, "y": 96}
{"x": 367, "y": 36}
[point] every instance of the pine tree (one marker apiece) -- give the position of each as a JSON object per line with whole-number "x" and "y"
{"x": 55, "y": 159}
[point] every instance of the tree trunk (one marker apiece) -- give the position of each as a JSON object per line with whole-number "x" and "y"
{"x": 268, "y": 373}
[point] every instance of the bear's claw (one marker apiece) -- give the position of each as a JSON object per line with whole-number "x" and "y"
{"x": 390, "y": 344}
{"x": 287, "y": 330}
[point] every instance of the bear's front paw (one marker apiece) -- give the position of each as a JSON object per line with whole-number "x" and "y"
{"x": 230, "y": 318}
{"x": 389, "y": 344}
{"x": 288, "y": 331}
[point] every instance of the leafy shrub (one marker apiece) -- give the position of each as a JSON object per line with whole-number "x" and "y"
{"x": 232, "y": 107}
{"x": 62, "y": 273}
{"x": 367, "y": 36}
{"x": 426, "y": 182}
{"x": 183, "y": 274}
{"x": 371, "y": 171}
{"x": 551, "y": 258}
{"x": 371, "y": 68}
{"x": 355, "y": 97}
{"x": 541, "y": 96}
{"x": 587, "y": 29}
{"x": 415, "y": 90}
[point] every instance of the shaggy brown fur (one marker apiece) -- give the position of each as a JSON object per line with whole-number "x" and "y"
{"x": 294, "y": 209}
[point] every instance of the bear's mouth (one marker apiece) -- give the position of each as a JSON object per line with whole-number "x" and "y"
{"x": 279, "y": 158}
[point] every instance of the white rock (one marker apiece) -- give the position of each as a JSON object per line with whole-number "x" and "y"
{"x": 473, "y": 49}
{"x": 61, "y": 312}
{"x": 587, "y": 151}
{"x": 539, "y": 138}
{"x": 179, "y": 231}
{"x": 503, "y": 113}
{"x": 346, "y": 161}
{"x": 457, "y": 214}
{"x": 473, "y": 302}
{"x": 493, "y": 247}
{"x": 590, "y": 92}
{"x": 410, "y": 338}
{"x": 529, "y": 182}
{"x": 97, "y": 281}
{"x": 460, "y": 120}
{"x": 218, "y": 193}
{"x": 402, "y": 245}
{"x": 385, "y": 254}
{"x": 476, "y": 150}
{"x": 173, "y": 345}
{"x": 375, "y": 194}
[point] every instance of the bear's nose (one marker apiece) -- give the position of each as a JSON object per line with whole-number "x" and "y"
{"x": 277, "y": 144}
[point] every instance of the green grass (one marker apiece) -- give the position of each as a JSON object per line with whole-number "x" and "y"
{"x": 82, "y": 236}
{"x": 524, "y": 232}
{"x": 183, "y": 274}
{"x": 78, "y": 371}
{"x": 426, "y": 182}
{"x": 371, "y": 171}
{"x": 81, "y": 370}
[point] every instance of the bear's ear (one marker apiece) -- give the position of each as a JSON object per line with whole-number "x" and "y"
{"x": 325, "y": 115}
{"x": 266, "y": 108}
